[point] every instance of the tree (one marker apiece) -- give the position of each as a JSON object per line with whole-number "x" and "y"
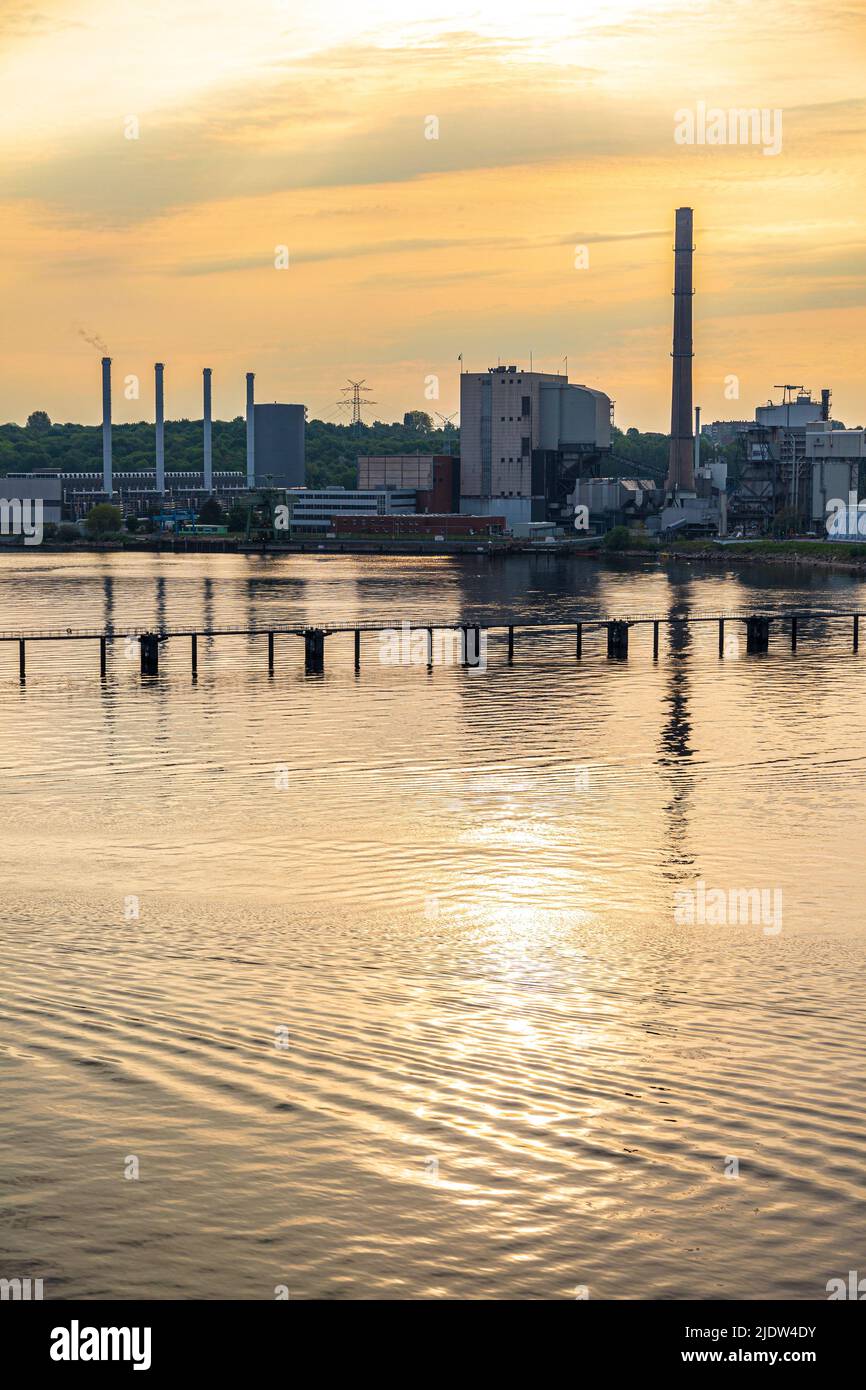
{"x": 417, "y": 420}
{"x": 103, "y": 519}
{"x": 210, "y": 513}
{"x": 39, "y": 422}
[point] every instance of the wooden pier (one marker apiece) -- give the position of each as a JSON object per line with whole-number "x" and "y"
{"x": 757, "y": 629}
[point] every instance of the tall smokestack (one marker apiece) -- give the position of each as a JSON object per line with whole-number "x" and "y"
{"x": 697, "y": 439}
{"x": 208, "y": 461}
{"x": 106, "y": 426}
{"x": 158, "y": 370}
{"x": 251, "y": 432}
{"x": 681, "y": 473}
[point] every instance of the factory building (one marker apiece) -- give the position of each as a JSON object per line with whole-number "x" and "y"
{"x": 137, "y": 492}
{"x": 525, "y": 437}
{"x": 435, "y": 478}
{"x": 775, "y": 466}
{"x": 279, "y": 445}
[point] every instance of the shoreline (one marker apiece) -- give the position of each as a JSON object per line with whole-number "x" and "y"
{"x": 797, "y": 555}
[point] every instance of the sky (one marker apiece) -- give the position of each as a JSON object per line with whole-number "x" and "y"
{"x": 489, "y": 179}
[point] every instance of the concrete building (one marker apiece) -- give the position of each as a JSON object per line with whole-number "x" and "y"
{"x": 525, "y": 437}
{"x": 278, "y": 432}
{"x": 435, "y": 477}
{"x": 835, "y": 457}
{"x": 44, "y": 487}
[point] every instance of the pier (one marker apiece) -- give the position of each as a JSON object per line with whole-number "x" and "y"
{"x": 757, "y": 627}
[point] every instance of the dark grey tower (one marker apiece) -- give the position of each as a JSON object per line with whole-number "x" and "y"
{"x": 681, "y": 473}
{"x": 106, "y": 426}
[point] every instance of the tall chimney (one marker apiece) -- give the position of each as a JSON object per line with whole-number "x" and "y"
{"x": 251, "y": 432}
{"x": 106, "y": 426}
{"x": 697, "y": 438}
{"x": 681, "y": 474}
{"x": 158, "y": 370}
{"x": 208, "y": 461}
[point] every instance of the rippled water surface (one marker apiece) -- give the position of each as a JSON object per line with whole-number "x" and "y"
{"x": 407, "y": 1010}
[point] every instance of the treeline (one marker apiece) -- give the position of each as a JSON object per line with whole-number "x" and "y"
{"x": 331, "y": 449}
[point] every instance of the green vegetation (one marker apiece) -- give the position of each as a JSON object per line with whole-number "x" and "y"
{"x": 621, "y": 538}
{"x": 332, "y": 450}
{"x": 103, "y": 520}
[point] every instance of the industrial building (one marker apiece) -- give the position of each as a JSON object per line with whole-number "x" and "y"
{"x": 279, "y": 445}
{"x": 435, "y": 478}
{"x": 775, "y": 465}
{"x": 274, "y": 452}
{"x": 313, "y": 511}
{"x": 525, "y": 438}
{"x": 37, "y": 486}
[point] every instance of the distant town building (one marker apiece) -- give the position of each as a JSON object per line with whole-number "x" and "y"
{"x": 724, "y": 431}
{"x": 524, "y": 439}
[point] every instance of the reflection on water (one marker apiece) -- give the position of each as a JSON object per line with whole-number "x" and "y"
{"x": 404, "y": 1010}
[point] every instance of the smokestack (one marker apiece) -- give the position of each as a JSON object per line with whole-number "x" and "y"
{"x": 681, "y": 476}
{"x": 251, "y": 432}
{"x": 106, "y": 426}
{"x": 208, "y": 464}
{"x": 158, "y": 370}
{"x": 697, "y": 438}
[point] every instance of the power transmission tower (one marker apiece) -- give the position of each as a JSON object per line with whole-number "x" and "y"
{"x": 447, "y": 420}
{"x": 358, "y": 389}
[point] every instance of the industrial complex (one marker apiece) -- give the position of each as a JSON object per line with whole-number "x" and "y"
{"x": 536, "y": 460}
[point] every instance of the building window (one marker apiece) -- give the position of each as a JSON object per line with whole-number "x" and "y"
{"x": 525, "y": 405}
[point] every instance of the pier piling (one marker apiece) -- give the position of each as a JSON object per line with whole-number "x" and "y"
{"x": 655, "y": 641}
{"x": 429, "y": 649}
{"x": 357, "y": 649}
{"x": 721, "y": 636}
{"x": 578, "y": 641}
{"x": 794, "y": 633}
{"x": 856, "y": 631}
{"x": 149, "y": 646}
{"x": 102, "y": 663}
{"x": 511, "y": 644}
{"x": 617, "y": 640}
{"x": 22, "y": 664}
{"x": 194, "y": 645}
{"x": 757, "y": 633}
{"x": 314, "y": 651}
{"x": 270, "y": 653}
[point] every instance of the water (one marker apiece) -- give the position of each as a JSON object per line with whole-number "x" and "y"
{"x": 406, "y": 1010}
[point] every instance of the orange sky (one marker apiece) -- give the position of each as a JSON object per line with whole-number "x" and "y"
{"x": 269, "y": 123}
